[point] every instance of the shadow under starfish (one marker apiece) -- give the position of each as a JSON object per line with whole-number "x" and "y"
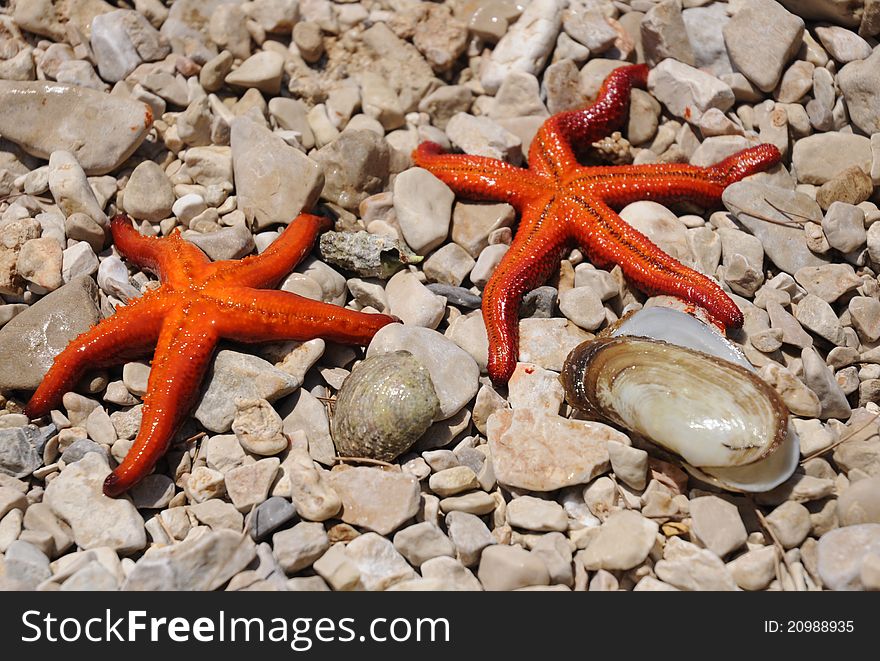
{"x": 563, "y": 203}
{"x": 198, "y": 303}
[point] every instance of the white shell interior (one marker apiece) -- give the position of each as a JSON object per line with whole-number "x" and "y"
{"x": 680, "y": 328}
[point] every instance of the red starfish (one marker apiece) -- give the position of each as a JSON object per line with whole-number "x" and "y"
{"x": 198, "y": 303}
{"x": 562, "y": 203}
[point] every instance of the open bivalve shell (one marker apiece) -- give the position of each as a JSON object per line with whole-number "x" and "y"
{"x": 681, "y": 385}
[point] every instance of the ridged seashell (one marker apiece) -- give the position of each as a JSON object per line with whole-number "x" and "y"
{"x": 383, "y": 407}
{"x": 681, "y": 385}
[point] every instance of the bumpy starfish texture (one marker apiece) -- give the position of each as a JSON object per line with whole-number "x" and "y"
{"x": 562, "y": 203}
{"x": 198, "y": 303}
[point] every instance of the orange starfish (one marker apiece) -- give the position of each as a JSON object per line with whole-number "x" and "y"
{"x": 198, "y": 303}
{"x": 562, "y": 203}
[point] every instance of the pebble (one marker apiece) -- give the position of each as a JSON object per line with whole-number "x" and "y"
{"x": 412, "y": 302}
{"x": 204, "y": 484}
{"x": 481, "y": 136}
{"x": 630, "y": 465}
{"x": 717, "y": 524}
{"x": 859, "y": 503}
{"x": 78, "y": 260}
{"x": 842, "y": 44}
{"x": 355, "y": 166}
{"x": 334, "y": 567}
{"x": 269, "y": 516}
{"x": 239, "y": 375}
{"x": 257, "y": 426}
{"x": 32, "y": 339}
{"x": 688, "y": 92}
{"x": 377, "y": 561}
{"x": 664, "y": 34}
{"x": 842, "y": 552}
{"x": 531, "y": 386}
{"x": 376, "y": 499}
{"x": 526, "y": 45}
{"x": 790, "y": 522}
{"x": 785, "y": 246}
{"x": 249, "y": 485}
{"x": 828, "y": 282}
{"x": 761, "y": 38}
{"x": 100, "y": 130}
{"x": 453, "y": 372}
{"x": 451, "y": 574}
{"x": 217, "y": 514}
{"x": 510, "y": 568}
{"x": 546, "y": 342}
{"x": 123, "y": 39}
{"x": 844, "y": 226}
{"x": 820, "y": 379}
{"x": 226, "y": 243}
{"x": 469, "y": 535}
{"x": 309, "y": 488}
{"x": 421, "y": 542}
{"x": 473, "y": 223}
{"x": 153, "y": 492}
{"x": 300, "y": 546}
{"x": 423, "y": 206}
{"x": 452, "y": 481}
{"x": 24, "y": 567}
{"x": 820, "y": 157}
{"x": 688, "y": 567}
{"x": 582, "y": 306}
{"x": 623, "y": 542}
{"x": 40, "y": 262}
{"x": 261, "y": 71}
{"x": 489, "y": 259}
{"x": 860, "y": 85}
{"x": 76, "y": 496}
{"x": 273, "y": 180}
{"x": 541, "y": 451}
{"x": 754, "y": 569}
{"x": 865, "y": 314}
{"x": 203, "y": 561}
{"x": 531, "y": 513}
{"x": 852, "y": 186}
{"x": 449, "y": 265}
{"x": 71, "y": 189}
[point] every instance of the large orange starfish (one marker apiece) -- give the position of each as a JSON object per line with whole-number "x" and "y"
{"x": 198, "y": 303}
{"x": 562, "y": 203}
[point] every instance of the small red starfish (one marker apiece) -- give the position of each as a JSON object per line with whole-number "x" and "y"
{"x": 562, "y": 203}
{"x": 198, "y": 303}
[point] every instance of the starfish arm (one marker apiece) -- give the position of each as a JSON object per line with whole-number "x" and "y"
{"x": 609, "y": 239}
{"x": 674, "y": 182}
{"x": 280, "y": 258}
{"x": 134, "y": 327}
{"x": 531, "y": 259}
{"x": 157, "y": 255}
{"x": 479, "y": 177}
{"x": 183, "y": 354}
{"x": 256, "y": 315}
{"x": 553, "y": 148}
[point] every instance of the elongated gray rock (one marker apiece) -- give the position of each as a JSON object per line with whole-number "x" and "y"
{"x": 30, "y": 342}
{"x": 99, "y": 129}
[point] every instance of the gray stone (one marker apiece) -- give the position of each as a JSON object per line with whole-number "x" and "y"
{"x": 19, "y": 454}
{"x": 819, "y": 158}
{"x": 300, "y": 546}
{"x": 100, "y": 130}
{"x": 842, "y": 552}
{"x": 30, "y": 341}
{"x": 201, "y": 562}
{"x": 274, "y": 181}
{"x": 623, "y": 542}
{"x": 469, "y": 535}
{"x": 420, "y": 542}
{"x": 239, "y": 375}
{"x": 148, "y": 194}
{"x": 511, "y": 567}
{"x": 77, "y": 497}
{"x": 355, "y": 166}
{"x": 859, "y": 82}
{"x": 376, "y": 499}
{"x": 761, "y": 38}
